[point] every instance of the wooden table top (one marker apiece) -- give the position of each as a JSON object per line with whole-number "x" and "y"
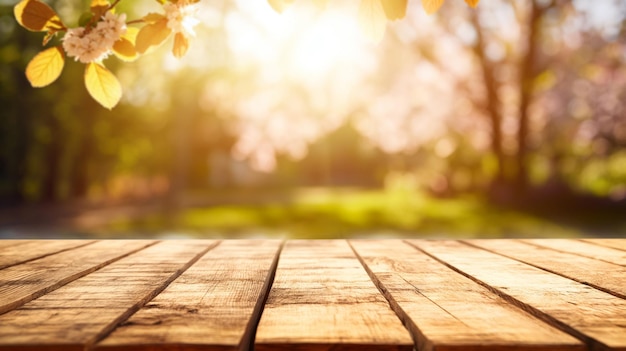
{"x": 542, "y": 294}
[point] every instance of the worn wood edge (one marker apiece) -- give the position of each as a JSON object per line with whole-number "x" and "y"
{"x": 92, "y": 344}
{"x": 335, "y": 347}
{"x": 578, "y": 280}
{"x": 506, "y": 347}
{"x": 36, "y": 294}
{"x": 163, "y": 347}
{"x": 54, "y": 347}
{"x": 594, "y": 242}
{"x": 591, "y": 343}
{"x": 47, "y": 254}
{"x": 420, "y": 340}
{"x": 131, "y": 347}
{"x": 249, "y": 335}
{"x": 539, "y": 245}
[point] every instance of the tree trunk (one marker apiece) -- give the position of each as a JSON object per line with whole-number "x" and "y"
{"x": 51, "y": 165}
{"x": 180, "y": 140}
{"x": 527, "y": 75}
{"x": 80, "y": 167}
{"x": 20, "y": 129}
{"x": 492, "y": 100}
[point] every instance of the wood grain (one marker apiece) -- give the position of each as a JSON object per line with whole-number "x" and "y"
{"x": 451, "y": 295}
{"x": 76, "y": 315}
{"x": 209, "y": 307}
{"x": 582, "y": 248}
{"x": 4, "y": 243}
{"x": 591, "y": 315}
{"x": 323, "y": 299}
{"x": 25, "y": 282}
{"x": 447, "y": 311}
{"x": 31, "y": 250}
{"x": 619, "y": 244}
{"x": 599, "y": 274}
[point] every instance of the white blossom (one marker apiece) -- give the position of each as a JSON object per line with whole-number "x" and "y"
{"x": 180, "y": 18}
{"x": 95, "y": 44}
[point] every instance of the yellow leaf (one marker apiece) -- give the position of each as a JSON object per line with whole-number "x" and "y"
{"x": 99, "y": 3}
{"x": 131, "y": 34}
{"x": 372, "y": 19}
{"x": 99, "y": 7}
{"x": 45, "y": 67}
{"x": 431, "y": 6}
{"x": 280, "y": 5}
{"x": 102, "y": 85}
{"x": 152, "y": 35}
{"x": 394, "y": 9}
{"x": 36, "y": 16}
{"x": 472, "y": 3}
{"x": 181, "y": 44}
{"x": 124, "y": 48}
{"x": 152, "y": 17}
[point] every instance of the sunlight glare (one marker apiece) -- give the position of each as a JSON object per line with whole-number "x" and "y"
{"x": 333, "y": 40}
{"x": 304, "y": 44}
{"x": 303, "y": 72}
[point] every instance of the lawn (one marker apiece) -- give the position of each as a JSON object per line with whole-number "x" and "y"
{"x": 332, "y": 213}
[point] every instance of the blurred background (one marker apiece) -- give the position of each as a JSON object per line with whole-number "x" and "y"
{"x": 504, "y": 121}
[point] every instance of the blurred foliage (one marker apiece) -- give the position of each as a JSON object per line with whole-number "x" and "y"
{"x": 519, "y": 102}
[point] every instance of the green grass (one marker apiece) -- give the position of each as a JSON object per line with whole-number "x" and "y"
{"x": 332, "y": 213}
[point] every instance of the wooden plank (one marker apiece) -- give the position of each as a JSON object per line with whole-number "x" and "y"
{"x": 323, "y": 299}
{"x": 591, "y": 315}
{"x": 4, "y": 243}
{"x": 582, "y": 248}
{"x": 76, "y": 315}
{"x": 605, "y": 276}
{"x": 619, "y": 244}
{"x": 25, "y": 282}
{"x": 447, "y": 311}
{"x": 214, "y": 305}
{"x": 34, "y": 249}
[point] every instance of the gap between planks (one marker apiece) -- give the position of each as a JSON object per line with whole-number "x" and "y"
{"x": 249, "y": 335}
{"x": 77, "y": 314}
{"x": 247, "y": 342}
{"x": 612, "y": 243}
{"x": 424, "y": 294}
{"x": 582, "y": 248}
{"x": 454, "y": 254}
{"x": 139, "y": 304}
{"x": 193, "y": 315}
{"x": 43, "y": 280}
{"x": 415, "y": 333}
{"x": 13, "y": 255}
{"x": 561, "y": 263}
{"x": 323, "y": 299}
